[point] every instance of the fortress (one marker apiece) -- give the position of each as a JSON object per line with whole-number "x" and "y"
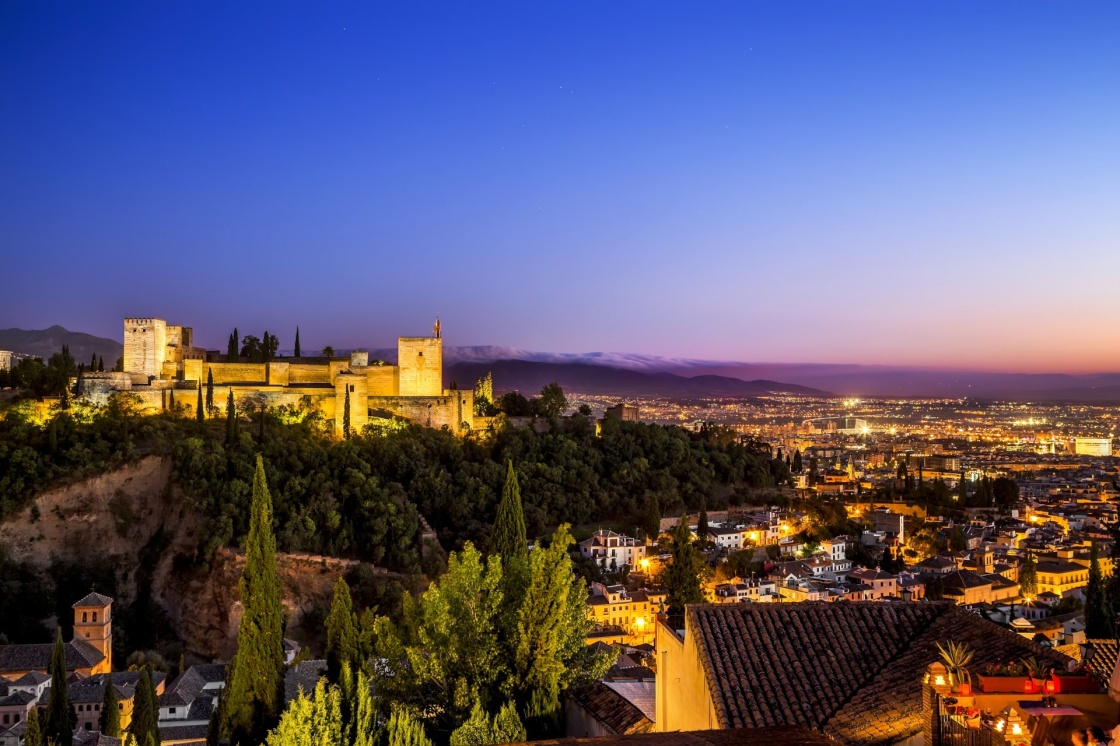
{"x": 160, "y": 358}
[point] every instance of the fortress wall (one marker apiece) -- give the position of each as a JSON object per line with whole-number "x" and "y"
{"x": 308, "y": 373}
{"x": 383, "y": 380}
{"x": 437, "y": 411}
{"x": 195, "y": 370}
{"x": 420, "y": 360}
{"x": 239, "y": 372}
{"x": 278, "y": 374}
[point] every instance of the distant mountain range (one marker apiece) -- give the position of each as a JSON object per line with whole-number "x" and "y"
{"x": 843, "y": 380}
{"x": 45, "y": 342}
{"x": 528, "y": 377}
{"x": 621, "y": 374}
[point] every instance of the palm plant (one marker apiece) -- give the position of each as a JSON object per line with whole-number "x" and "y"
{"x": 957, "y": 656}
{"x": 1035, "y": 668}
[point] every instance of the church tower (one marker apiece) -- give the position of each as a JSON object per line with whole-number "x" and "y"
{"x": 93, "y": 625}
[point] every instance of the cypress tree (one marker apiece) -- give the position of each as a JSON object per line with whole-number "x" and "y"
{"x": 231, "y": 421}
{"x": 962, "y": 491}
{"x": 509, "y": 540}
{"x": 404, "y": 730}
{"x": 346, "y": 415}
{"x": 682, "y": 577}
{"x": 33, "y": 735}
{"x": 171, "y": 400}
{"x": 198, "y": 415}
{"x": 144, "y": 727}
{"x": 100, "y": 364}
{"x": 209, "y": 392}
{"x": 702, "y": 521}
{"x": 297, "y": 342}
{"x": 1097, "y": 623}
{"x": 342, "y": 633}
{"x": 255, "y": 677}
{"x": 110, "y": 721}
{"x": 93, "y": 362}
{"x": 797, "y": 465}
{"x": 59, "y": 725}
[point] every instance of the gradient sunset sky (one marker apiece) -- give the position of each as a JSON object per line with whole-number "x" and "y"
{"x": 914, "y": 183}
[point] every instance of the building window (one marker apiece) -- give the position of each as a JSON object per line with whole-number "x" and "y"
{"x": 84, "y": 619}
{"x": 171, "y": 710}
{"x": 95, "y": 616}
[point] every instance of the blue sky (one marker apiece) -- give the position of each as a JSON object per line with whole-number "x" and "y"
{"x": 921, "y": 183}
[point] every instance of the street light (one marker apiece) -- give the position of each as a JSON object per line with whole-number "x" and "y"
{"x": 1088, "y": 652}
{"x": 906, "y": 594}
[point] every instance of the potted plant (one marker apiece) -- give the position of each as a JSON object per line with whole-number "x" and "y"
{"x": 1037, "y": 671}
{"x": 1006, "y": 678}
{"x": 1079, "y": 680}
{"x": 957, "y": 656}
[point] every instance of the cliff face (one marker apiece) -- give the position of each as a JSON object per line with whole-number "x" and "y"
{"x": 121, "y": 514}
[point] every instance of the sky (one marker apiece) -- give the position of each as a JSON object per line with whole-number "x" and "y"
{"x": 909, "y": 183}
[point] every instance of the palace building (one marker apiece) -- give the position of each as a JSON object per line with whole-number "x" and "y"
{"x": 162, "y": 364}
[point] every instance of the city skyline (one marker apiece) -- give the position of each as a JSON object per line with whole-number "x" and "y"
{"x": 926, "y": 186}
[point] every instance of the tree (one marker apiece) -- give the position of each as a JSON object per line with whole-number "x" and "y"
{"x": 958, "y": 542}
{"x": 314, "y": 721}
{"x": 231, "y": 421}
{"x": 342, "y": 633}
{"x": 702, "y": 521}
{"x": 542, "y": 625}
{"x": 1097, "y": 623}
{"x": 682, "y": 577}
{"x": 651, "y": 518}
{"x": 797, "y": 466}
{"x": 328, "y": 352}
{"x": 404, "y": 730}
{"x": 447, "y": 650}
{"x": 33, "y": 735}
{"x": 553, "y": 401}
{"x": 210, "y": 391}
{"x": 346, "y": 415}
{"x": 1028, "y": 576}
{"x": 59, "y": 724}
{"x": 297, "y": 342}
{"x": 171, "y": 400}
{"x": 1004, "y": 491}
{"x": 482, "y": 730}
{"x": 231, "y": 351}
{"x": 144, "y": 727}
{"x": 198, "y": 415}
{"x": 255, "y": 676}
{"x": 110, "y": 720}
{"x": 962, "y": 491}
{"x": 509, "y": 539}
{"x": 100, "y": 364}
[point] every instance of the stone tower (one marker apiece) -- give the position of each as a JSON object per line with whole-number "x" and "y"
{"x": 420, "y": 360}
{"x": 145, "y": 348}
{"x": 92, "y": 624}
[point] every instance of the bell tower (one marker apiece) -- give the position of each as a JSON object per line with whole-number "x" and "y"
{"x": 92, "y": 623}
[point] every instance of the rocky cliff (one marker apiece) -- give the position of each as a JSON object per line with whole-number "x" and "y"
{"x": 138, "y": 511}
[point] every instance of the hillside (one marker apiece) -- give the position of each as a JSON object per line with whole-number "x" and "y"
{"x": 45, "y": 342}
{"x": 529, "y": 376}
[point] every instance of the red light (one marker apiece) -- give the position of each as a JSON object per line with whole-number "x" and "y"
{"x": 1051, "y": 686}
{"x": 1029, "y": 687}
{"x": 965, "y": 690}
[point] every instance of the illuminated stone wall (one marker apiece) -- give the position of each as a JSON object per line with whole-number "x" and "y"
{"x": 145, "y": 347}
{"x": 420, "y": 360}
{"x": 359, "y": 403}
{"x": 5, "y": 360}
{"x": 382, "y": 380}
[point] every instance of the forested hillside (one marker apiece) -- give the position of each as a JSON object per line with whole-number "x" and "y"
{"x": 362, "y": 497}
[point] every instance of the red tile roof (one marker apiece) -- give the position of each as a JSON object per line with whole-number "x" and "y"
{"x": 852, "y": 670}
